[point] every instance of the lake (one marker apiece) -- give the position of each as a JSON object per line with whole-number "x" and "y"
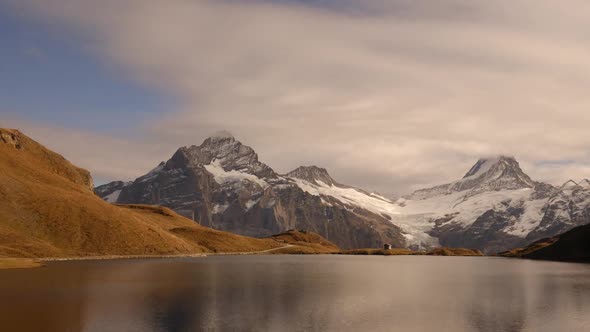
{"x": 298, "y": 293}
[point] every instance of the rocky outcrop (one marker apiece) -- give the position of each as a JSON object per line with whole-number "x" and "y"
{"x": 27, "y": 149}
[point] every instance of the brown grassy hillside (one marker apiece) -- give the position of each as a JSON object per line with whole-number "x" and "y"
{"x": 48, "y": 209}
{"x": 304, "y": 243}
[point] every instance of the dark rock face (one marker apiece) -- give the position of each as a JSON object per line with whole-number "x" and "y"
{"x": 572, "y": 246}
{"x": 222, "y": 185}
{"x": 486, "y": 233}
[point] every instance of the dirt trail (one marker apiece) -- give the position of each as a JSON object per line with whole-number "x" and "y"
{"x": 89, "y": 258}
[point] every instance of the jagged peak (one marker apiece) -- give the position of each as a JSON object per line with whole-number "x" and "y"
{"x": 488, "y": 174}
{"x": 222, "y": 134}
{"x": 227, "y": 151}
{"x": 569, "y": 183}
{"x": 483, "y": 165}
{"x": 220, "y": 138}
{"x": 312, "y": 174}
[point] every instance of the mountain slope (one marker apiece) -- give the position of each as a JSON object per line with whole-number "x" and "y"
{"x": 572, "y": 246}
{"x": 568, "y": 207}
{"x": 48, "y": 209}
{"x": 222, "y": 184}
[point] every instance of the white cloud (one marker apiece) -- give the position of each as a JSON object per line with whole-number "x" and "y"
{"x": 389, "y": 95}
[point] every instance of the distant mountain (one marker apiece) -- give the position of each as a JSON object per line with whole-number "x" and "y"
{"x": 222, "y": 184}
{"x": 568, "y": 207}
{"x": 491, "y": 174}
{"x": 48, "y": 209}
{"x": 496, "y": 206}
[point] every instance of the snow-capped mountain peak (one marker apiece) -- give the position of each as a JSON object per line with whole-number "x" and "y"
{"x": 227, "y": 153}
{"x": 312, "y": 174}
{"x": 489, "y": 174}
{"x": 481, "y": 167}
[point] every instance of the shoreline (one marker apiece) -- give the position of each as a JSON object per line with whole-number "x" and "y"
{"x": 20, "y": 263}
{"x": 116, "y": 257}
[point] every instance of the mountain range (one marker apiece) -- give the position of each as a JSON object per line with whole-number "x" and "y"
{"x": 221, "y": 184}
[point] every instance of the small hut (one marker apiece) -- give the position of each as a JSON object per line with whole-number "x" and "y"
{"x": 387, "y": 246}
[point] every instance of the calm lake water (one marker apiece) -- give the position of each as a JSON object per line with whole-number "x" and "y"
{"x": 298, "y": 293}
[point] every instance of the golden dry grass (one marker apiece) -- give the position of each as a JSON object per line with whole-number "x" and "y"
{"x": 18, "y": 263}
{"x": 533, "y": 247}
{"x": 304, "y": 243}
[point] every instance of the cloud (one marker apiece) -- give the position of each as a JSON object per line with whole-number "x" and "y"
{"x": 388, "y": 95}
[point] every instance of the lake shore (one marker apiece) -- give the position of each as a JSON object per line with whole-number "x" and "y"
{"x": 19, "y": 263}
{"x": 116, "y": 257}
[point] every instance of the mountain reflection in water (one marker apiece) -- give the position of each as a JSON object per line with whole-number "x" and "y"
{"x": 298, "y": 293}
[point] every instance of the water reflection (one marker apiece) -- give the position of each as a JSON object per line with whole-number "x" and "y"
{"x": 295, "y": 293}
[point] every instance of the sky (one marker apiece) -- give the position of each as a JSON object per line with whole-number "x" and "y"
{"x": 388, "y": 95}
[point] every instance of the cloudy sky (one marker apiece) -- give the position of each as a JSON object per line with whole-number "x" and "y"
{"x": 389, "y": 95}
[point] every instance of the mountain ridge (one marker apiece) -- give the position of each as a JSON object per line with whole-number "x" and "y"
{"x": 494, "y": 206}
{"x": 222, "y": 184}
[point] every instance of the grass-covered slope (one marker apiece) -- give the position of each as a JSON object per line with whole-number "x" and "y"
{"x": 301, "y": 242}
{"x": 572, "y": 246}
{"x": 48, "y": 209}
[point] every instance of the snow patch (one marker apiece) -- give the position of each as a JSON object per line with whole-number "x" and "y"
{"x": 249, "y": 204}
{"x": 220, "y": 208}
{"x": 153, "y": 173}
{"x": 414, "y": 229}
{"x": 530, "y": 219}
{"x": 222, "y": 176}
{"x": 113, "y": 197}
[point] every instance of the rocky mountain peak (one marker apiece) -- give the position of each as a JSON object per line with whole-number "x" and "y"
{"x": 312, "y": 174}
{"x": 488, "y": 174}
{"x": 484, "y": 165}
{"x": 502, "y": 172}
{"x": 570, "y": 184}
{"x": 226, "y": 151}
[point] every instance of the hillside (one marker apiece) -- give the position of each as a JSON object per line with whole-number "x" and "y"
{"x": 304, "y": 243}
{"x": 572, "y": 246}
{"x": 48, "y": 209}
